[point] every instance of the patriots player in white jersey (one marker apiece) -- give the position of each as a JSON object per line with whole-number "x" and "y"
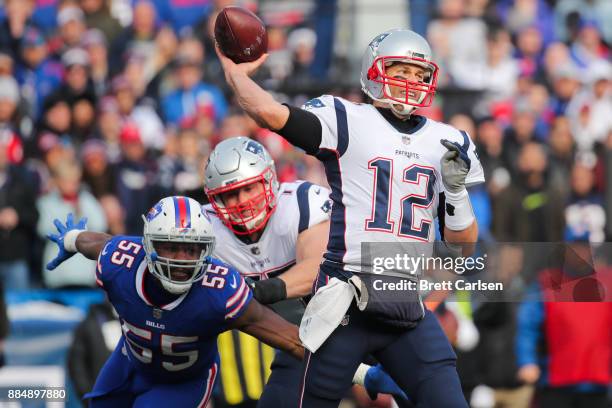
{"x": 392, "y": 172}
{"x": 173, "y": 300}
{"x": 275, "y": 235}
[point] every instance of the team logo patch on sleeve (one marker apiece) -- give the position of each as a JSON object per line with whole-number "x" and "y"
{"x": 314, "y": 103}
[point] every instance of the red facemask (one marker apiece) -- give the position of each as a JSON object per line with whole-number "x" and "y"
{"x": 377, "y": 73}
{"x": 248, "y": 216}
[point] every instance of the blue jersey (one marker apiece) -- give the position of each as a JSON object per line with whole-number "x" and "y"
{"x": 176, "y": 341}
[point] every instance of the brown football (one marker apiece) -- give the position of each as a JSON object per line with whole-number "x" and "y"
{"x": 241, "y": 35}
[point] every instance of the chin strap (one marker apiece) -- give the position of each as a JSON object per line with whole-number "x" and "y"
{"x": 403, "y": 114}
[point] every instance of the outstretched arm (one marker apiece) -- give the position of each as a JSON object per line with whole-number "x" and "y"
{"x": 90, "y": 244}
{"x": 262, "y": 323}
{"x": 72, "y": 238}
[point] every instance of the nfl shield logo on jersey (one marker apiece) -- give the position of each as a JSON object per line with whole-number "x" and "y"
{"x": 157, "y": 313}
{"x": 406, "y": 139}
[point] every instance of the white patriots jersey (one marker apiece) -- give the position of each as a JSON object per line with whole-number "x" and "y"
{"x": 385, "y": 184}
{"x": 300, "y": 205}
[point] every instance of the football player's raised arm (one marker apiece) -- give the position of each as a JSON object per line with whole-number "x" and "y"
{"x": 89, "y": 244}
{"x": 311, "y": 244}
{"x": 262, "y": 323}
{"x": 258, "y": 104}
{"x": 300, "y": 128}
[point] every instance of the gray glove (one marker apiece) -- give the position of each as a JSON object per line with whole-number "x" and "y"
{"x": 455, "y": 165}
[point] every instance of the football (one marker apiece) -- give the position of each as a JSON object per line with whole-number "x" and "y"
{"x": 241, "y": 35}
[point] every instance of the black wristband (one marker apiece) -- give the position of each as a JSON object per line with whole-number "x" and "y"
{"x": 270, "y": 290}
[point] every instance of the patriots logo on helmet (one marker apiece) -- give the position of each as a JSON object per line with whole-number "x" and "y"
{"x": 154, "y": 211}
{"x": 378, "y": 40}
{"x": 254, "y": 148}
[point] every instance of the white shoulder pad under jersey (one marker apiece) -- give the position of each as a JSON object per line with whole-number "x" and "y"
{"x": 385, "y": 182}
{"x": 300, "y": 205}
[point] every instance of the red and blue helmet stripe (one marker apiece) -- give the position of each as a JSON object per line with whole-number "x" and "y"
{"x": 182, "y": 212}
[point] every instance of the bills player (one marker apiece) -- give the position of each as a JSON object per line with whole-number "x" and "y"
{"x": 173, "y": 300}
{"x": 275, "y": 235}
{"x": 392, "y": 172}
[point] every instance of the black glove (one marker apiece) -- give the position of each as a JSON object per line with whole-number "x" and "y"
{"x": 268, "y": 291}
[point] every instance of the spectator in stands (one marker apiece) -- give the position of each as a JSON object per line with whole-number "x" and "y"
{"x": 53, "y": 150}
{"x": 522, "y": 130}
{"x": 96, "y": 46}
{"x": 564, "y": 342}
{"x": 301, "y": 44}
{"x": 599, "y": 11}
{"x": 7, "y": 65}
{"x": 588, "y": 48}
{"x": 446, "y": 35}
{"x": 100, "y": 176}
{"x": 191, "y": 91}
{"x": 38, "y": 75}
{"x": 528, "y": 210}
{"x": 137, "y": 178}
{"x": 529, "y": 50}
{"x": 561, "y": 154}
{"x": 56, "y": 119}
{"x": 183, "y": 175}
{"x": 235, "y": 123}
{"x": 68, "y": 197}
{"x": 496, "y": 320}
{"x": 98, "y": 16}
{"x": 585, "y": 214}
{"x": 141, "y": 34}
{"x": 565, "y": 84}
{"x": 98, "y": 173}
{"x": 9, "y": 100}
{"x": 109, "y": 127}
{"x": 489, "y": 142}
{"x": 17, "y": 19}
{"x": 556, "y": 55}
{"x": 589, "y": 110}
{"x": 93, "y": 341}
{"x": 520, "y": 14}
{"x": 150, "y": 127}
{"x": 71, "y": 27}
{"x": 78, "y": 93}
{"x": 18, "y": 217}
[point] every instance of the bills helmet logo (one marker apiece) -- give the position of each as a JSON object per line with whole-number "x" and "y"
{"x": 154, "y": 211}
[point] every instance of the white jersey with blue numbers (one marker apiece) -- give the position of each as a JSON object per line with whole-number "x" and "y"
{"x": 385, "y": 184}
{"x": 300, "y": 205}
{"x": 176, "y": 341}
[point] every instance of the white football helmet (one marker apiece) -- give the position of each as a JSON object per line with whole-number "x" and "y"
{"x": 180, "y": 220}
{"x": 398, "y": 45}
{"x": 233, "y": 164}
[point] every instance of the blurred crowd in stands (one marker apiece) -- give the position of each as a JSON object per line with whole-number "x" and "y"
{"x": 108, "y": 105}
